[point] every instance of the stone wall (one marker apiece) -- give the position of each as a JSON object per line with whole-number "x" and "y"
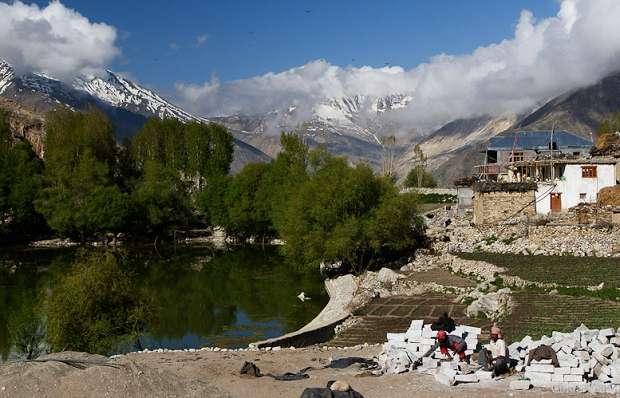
{"x": 499, "y": 206}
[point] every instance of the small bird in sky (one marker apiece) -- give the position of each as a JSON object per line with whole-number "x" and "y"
{"x": 308, "y": 11}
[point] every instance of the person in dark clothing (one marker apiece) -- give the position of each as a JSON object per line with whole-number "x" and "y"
{"x": 447, "y": 342}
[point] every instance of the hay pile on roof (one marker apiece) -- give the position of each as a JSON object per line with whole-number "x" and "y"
{"x": 609, "y": 196}
{"x": 494, "y": 186}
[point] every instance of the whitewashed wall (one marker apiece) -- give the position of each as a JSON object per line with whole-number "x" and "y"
{"x": 574, "y": 185}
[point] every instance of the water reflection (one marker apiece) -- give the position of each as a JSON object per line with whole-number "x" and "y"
{"x": 197, "y": 296}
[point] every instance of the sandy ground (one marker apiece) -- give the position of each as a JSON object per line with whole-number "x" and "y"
{"x": 216, "y": 374}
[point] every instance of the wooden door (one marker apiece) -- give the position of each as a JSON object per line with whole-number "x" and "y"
{"x": 556, "y": 202}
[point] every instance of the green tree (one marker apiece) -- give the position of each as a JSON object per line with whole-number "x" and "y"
{"x": 20, "y": 185}
{"x": 418, "y": 177}
{"x": 211, "y": 200}
{"x": 248, "y": 216}
{"x": 396, "y": 228}
{"x": 325, "y": 219}
{"x": 160, "y": 201}
{"x": 95, "y": 306}
{"x": 80, "y": 197}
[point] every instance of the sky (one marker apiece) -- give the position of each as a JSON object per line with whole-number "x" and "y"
{"x": 453, "y": 59}
{"x": 163, "y": 42}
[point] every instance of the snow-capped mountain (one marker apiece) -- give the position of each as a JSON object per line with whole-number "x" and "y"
{"x": 118, "y": 91}
{"x": 6, "y": 76}
{"x": 127, "y": 104}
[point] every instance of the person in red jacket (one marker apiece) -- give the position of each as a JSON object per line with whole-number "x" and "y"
{"x": 452, "y": 342}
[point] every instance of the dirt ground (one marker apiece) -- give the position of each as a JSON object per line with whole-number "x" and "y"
{"x": 216, "y": 374}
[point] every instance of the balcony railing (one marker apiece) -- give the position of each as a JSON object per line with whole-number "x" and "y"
{"x": 493, "y": 168}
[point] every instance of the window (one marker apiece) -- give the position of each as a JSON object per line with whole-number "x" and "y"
{"x": 582, "y": 197}
{"x": 576, "y": 153}
{"x": 516, "y": 157}
{"x": 588, "y": 171}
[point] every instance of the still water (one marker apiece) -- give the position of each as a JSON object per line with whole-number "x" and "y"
{"x": 201, "y": 296}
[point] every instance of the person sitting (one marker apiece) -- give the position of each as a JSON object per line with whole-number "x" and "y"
{"x": 495, "y": 354}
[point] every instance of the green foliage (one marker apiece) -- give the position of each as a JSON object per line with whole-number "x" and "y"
{"x": 247, "y": 216}
{"x": 211, "y": 201}
{"x": 419, "y": 177}
{"x": 396, "y": 226}
{"x": 344, "y": 213}
{"x": 195, "y": 149}
{"x": 27, "y": 329}
{"x": 95, "y": 306}
{"x": 610, "y": 126}
{"x": 80, "y": 198}
{"x": 160, "y": 201}
{"x": 20, "y": 184}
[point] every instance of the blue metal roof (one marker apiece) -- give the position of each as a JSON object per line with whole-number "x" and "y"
{"x": 537, "y": 140}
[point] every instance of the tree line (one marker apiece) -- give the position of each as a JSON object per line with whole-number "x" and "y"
{"x": 172, "y": 175}
{"x": 89, "y": 185}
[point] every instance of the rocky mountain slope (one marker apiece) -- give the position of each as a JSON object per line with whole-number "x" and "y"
{"x": 126, "y": 103}
{"x": 455, "y": 148}
{"x": 581, "y": 110}
{"x": 350, "y": 126}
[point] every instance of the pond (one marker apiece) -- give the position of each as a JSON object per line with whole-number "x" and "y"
{"x": 200, "y": 296}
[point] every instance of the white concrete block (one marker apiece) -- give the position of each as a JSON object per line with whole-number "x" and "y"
{"x": 601, "y": 359}
{"x": 442, "y": 378}
{"x": 520, "y": 385}
{"x": 579, "y": 371}
{"x": 427, "y": 341}
{"x": 484, "y": 375}
{"x": 470, "y": 378}
{"x": 602, "y": 339}
{"x": 414, "y": 338}
{"x": 570, "y": 363}
{"x": 427, "y": 333}
{"x": 525, "y": 342}
{"x": 540, "y": 368}
{"x": 607, "y": 351}
{"x": 562, "y": 371}
{"x": 582, "y": 356}
{"x": 573, "y": 378}
{"x": 557, "y": 377}
{"x": 607, "y": 332}
{"x": 396, "y": 337}
{"x": 538, "y": 376}
{"x": 416, "y": 325}
{"x": 542, "y": 362}
{"x": 430, "y": 363}
{"x": 615, "y": 341}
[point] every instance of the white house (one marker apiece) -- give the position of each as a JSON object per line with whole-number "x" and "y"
{"x": 565, "y": 183}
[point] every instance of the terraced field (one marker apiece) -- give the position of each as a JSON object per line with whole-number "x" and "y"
{"x": 564, "y": 270}
{"x": 394, "y": 315}
{"x": 538, "y": 314}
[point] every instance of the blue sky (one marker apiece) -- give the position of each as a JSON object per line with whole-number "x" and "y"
{"x": 158, "y": 38}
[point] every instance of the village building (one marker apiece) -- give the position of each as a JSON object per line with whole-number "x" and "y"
{"x": 557, "y": 164}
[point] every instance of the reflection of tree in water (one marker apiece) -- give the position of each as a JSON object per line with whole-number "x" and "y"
{"x": 206, "y": 302}
{"x": 22, "y": 283}
{"x": 182, "y": 300}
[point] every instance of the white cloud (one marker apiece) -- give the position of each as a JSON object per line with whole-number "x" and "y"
{"x": 54, "y": 39}
{"x": 576, "y": 47}
{"x": 201, "y": 40}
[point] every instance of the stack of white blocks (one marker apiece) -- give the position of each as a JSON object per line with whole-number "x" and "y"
{"x": 588, "y": 359}
{"x": 403, "y": 349}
